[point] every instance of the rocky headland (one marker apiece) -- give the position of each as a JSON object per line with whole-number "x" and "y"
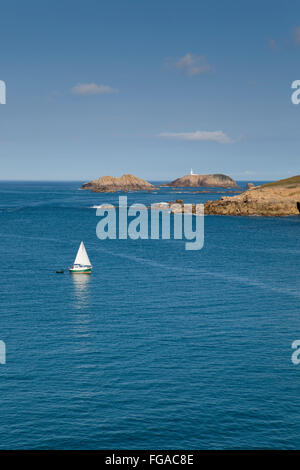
{"x": 111, "y": 184}
{"x": 280, "y": 198}
{"x": 215, "y": 180}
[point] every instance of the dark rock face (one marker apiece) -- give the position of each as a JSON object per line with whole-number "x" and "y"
{"x": 110, "y": 184}
{"x": 216, "y": 180}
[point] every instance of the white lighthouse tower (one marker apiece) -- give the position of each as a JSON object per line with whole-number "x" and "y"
{"x": 192, "y": 172}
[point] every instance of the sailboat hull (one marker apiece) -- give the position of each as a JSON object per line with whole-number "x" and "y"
{"x": 80, "y": 271}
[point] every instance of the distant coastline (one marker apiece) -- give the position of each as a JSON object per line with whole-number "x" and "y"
{"x": 279, "y": 198}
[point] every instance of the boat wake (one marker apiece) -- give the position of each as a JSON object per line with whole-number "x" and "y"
{"x": 193, "y": 271}
{"x": 226, "y": 277}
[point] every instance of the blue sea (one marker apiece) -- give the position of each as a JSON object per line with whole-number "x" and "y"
{"x": 160, "y": 347}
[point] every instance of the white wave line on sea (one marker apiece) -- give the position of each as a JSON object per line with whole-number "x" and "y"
{"x": 225, "y": 277}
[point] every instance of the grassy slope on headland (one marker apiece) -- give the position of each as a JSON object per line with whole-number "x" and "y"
{"x": 294, "y": 180}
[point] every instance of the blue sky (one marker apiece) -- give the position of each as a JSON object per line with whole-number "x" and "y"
{"x": 151, "y": 88}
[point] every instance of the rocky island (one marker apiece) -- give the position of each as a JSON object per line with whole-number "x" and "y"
{"x": 215, "y": 180}
{"x": 280, "y": 198}
{"x": 111, "y": 184}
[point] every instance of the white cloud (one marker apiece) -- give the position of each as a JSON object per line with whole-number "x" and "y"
{"x": 191, "y": 64}
{"x": 92, "y": 89}
{"x": 214, "y": 136}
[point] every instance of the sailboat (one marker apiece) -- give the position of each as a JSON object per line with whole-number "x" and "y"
{"x": 82, "y": 264}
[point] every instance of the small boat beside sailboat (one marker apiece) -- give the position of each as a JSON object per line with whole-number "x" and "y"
{"x": 82, "y": 264}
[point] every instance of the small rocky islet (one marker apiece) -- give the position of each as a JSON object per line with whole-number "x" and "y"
{"x": 111, "y": 184}
{"x": 279, "y": 198}
{"x": 217, "y": 180}
{"x": 107, "y": 184}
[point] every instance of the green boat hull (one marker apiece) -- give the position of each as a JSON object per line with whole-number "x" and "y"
{"x": 80, "y": 271}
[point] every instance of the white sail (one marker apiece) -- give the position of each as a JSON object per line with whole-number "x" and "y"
{"x": 82, "y": 256}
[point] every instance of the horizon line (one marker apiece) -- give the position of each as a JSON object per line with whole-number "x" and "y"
{"x": 85, "y": 180}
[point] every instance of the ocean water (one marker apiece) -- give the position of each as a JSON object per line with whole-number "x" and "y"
{"x": 160, "y": 347}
